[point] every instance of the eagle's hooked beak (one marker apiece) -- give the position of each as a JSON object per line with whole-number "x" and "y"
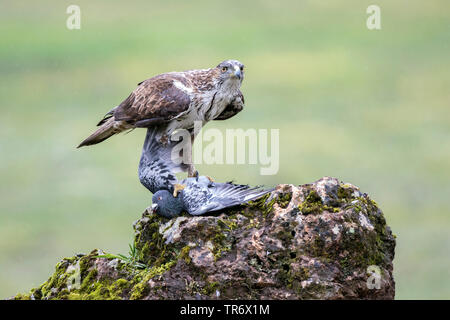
{"x": 154, "y": 207}
{"x": 237, "y": 73}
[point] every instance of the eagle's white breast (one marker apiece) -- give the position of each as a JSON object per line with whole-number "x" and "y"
{"x": 205, "y": 105}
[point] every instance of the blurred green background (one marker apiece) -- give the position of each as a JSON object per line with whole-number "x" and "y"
{"x": 368, "y": 107}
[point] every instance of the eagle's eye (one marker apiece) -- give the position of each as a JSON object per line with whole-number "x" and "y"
{"x": 224, "y": 69}
{"x": 159, "y": 198}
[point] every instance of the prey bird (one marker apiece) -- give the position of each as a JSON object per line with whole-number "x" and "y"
{"x": 194, "y": 195}
{"x": 176, "y": 100}
{"x": 200, "y": 195}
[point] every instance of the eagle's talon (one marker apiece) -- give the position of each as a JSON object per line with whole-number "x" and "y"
{"x": 177, "y": 188}
{"x": 194, "y": 174}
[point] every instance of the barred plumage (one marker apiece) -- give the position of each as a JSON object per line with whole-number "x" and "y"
{"x": 176, "y": 100}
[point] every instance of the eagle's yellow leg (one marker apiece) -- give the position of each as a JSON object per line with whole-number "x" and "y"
{"x": 192, "y": 173}
{"x": 177, "y": 188}
{"x": 210, "y": 179}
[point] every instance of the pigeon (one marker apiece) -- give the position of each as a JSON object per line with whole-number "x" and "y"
{"x": 194, "y": 195}
{"x": 157, "y": 167}
{"x": 201, "y": 195}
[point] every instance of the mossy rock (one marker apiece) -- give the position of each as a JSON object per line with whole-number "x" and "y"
{"x": 324, "y": 240}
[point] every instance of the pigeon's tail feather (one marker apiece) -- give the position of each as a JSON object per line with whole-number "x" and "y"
{"x": 162, "y": 152}
{"x": 150, "y": 145}
{"x": 255, "y": 194}
{"x": 107, "y": 128}
{"x": 157, "y": 167}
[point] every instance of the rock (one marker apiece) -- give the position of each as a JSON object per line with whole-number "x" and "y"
{"x": 325, "y": 240}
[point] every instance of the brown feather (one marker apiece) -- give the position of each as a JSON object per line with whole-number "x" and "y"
{"x": 156, "y": 97}
{"x": 106, "y": 130}
{"x": 161, "y": 99}
{"x": 232, "y": 109}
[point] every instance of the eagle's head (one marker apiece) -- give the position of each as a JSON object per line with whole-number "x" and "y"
{"x": 230, "y": 73}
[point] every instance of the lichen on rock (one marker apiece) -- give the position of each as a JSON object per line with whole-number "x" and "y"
{"x": 324, "y": 240}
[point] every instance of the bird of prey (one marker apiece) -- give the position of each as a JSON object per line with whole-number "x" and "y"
{"x": 176, "y": 100}
{"x": 195, "y": 195}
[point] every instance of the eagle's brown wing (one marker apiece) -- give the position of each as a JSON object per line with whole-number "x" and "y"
{"x": 155, "y": 100}
{"x": 233, "y": 108}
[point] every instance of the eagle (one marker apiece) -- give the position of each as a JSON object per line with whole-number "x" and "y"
{"x": 176, "y": 100}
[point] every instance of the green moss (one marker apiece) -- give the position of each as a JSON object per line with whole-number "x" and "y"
{"x": 230, "y": 224}
{"x": 21, "y": 296}
{"x": 142, "y": 288}
{"x": 61, "y": 278}
{"x": 313, "y": 204}
{"x": 144, "y": 252}
{"x": 255, "y": 208}
{"x": 284, "y": 200}
{"x": 99, "y": 290}
{"x": 267, "y": 208}
{"x": 210, "y": 288}
{"x": 221, "y": 245}
{"x": 345, "y": 192}
{"x": 88, "y": 280}
{"x": 184, "y": 254}
{"x": 133, "y": 284}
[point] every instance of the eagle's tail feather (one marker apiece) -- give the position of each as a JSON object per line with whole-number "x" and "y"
{"x": 106, "y": 130}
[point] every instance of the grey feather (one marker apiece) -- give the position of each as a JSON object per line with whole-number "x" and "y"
{"x": 156, "y": 168}
{"x": 199, "y": 196}
{"x": 204, "y": 196}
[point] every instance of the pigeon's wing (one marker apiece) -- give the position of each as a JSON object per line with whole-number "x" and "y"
{"x": 200, "y": 199}
{"x": 155, "y": 101}
{"x": 233, "y": 108}
{"x": 157, "y": 168}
